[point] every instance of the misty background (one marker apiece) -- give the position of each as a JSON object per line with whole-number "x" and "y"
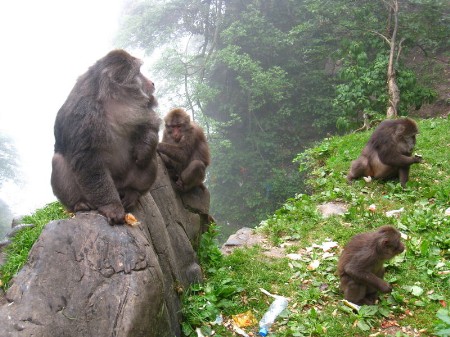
{"x": 46, "y": 45}
{"x": 265, "y": 79}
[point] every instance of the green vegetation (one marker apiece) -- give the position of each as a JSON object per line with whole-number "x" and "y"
{"x": 267, "y": 77}
{"x": 17, "y": 251}
{"x": 421, "y": 275}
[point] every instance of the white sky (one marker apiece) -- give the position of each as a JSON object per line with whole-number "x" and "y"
{"x": 45, "y": 46}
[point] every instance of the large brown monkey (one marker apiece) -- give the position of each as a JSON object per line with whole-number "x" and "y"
{"x": 184, "y": 150}
{"x": 388, "y": 153}
{"x": 105, "y": 139}
{"x": 360, "y": 265}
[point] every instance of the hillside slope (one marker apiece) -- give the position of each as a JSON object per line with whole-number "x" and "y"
{"x": 307, "y": 273}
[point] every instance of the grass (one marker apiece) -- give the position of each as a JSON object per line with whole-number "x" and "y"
{"x": 420, "y": 276}
{"x": 17, "y": 251}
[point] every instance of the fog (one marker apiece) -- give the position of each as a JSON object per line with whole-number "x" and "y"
{"x": 46, "y": 45}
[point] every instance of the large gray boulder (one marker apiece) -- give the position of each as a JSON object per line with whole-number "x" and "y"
{"x": 87, "y": 278}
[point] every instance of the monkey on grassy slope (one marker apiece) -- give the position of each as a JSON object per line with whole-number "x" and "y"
{"x": 360, "y": 266}
{"x": 388, "y": 153}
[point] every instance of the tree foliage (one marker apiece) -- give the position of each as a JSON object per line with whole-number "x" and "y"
{"x": 267, "y": 77}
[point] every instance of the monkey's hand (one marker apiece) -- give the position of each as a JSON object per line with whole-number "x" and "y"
{"x": 114, "y": 213}
{"x": 418, "y": 158}
{"x": 385, "y": 287}
{"x": 179, "y": 184}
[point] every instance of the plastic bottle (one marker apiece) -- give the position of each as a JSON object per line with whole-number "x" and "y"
{"x": 271, "y": 314}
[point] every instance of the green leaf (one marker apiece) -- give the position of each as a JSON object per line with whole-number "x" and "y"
{"x": 363, "y": 325}
{"x": 416, "y": 290}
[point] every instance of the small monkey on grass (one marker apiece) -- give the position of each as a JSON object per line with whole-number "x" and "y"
{"x": 360, "y": 265}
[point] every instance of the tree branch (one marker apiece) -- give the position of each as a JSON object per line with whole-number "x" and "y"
{"x": 379, "y": 34}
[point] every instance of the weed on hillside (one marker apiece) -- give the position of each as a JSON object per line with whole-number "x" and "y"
{"x": 307, "y": 275}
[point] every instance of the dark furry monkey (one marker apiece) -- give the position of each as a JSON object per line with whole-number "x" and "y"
{"x": 360, "y": 265}
{"x": 106, "y": 135}
{"x": 184, "y": 150}
{"x": 388, "y": 153}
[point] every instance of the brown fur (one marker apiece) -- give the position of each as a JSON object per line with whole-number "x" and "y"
{"x": 360, "y": 266}
{"x": 184, "y": 150}
{"x": 105, "y": 139}
{"x": 388, "y": 153}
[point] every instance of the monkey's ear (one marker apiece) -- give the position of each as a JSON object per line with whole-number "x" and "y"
{"x": 385, "y": 243}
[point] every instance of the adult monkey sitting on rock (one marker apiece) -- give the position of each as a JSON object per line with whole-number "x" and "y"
{"x": 106, "y": 135}
{"x": 388, "y": 153}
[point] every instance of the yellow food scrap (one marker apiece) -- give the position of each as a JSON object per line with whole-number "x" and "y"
{"x": 244, "y": 319}
{"x": 131, "y": 220}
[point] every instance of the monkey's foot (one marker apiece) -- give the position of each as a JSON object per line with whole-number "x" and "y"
{"x": 130, "y": 199}
{"x": 81, "y": 207}
{"x": 114, "y": 213}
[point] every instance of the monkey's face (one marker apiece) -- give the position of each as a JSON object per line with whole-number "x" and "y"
{"x": 177, "y": 124}
{"x": 147, "y": 87}
{"x": 392, "y": 247}
{"x": 411, "y": 141}
{"x": 119, "y": 75}
{"x": 175, "y": 131}
{"x": 406, "y": 144}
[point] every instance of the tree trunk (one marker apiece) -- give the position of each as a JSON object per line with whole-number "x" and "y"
{"x": 394, "y": 92}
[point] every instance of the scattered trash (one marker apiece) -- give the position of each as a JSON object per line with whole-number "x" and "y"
{"x": 295, "y": 257}
{"x": 313, "y": 265}
{"x": 218, "y": 320}
{"x": 327, "y": 255}
{"x": 272, "y": 313}
{"x": 394, "y": 212}
{"x": 447, "y": 212}
{"x": 367, "y": 179}
{"x": 325, "y": 246}
{"x": 245, "y": 319}
{"x": 239, "y": 331}
{"x": 351, "y": 305}
{"x": 199, "y": 333}
{"x": 372, "y": 208}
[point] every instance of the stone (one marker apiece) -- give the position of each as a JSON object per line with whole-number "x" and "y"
{"x": 86, "y": 278}
{"x": 332, "y": 208}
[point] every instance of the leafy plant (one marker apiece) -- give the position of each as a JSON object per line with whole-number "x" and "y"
{"x": 204, "y": 302}
{"x": 442, "y": 327}
{"x": 419, "y": 276}
{"x": 209, "y": 253}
